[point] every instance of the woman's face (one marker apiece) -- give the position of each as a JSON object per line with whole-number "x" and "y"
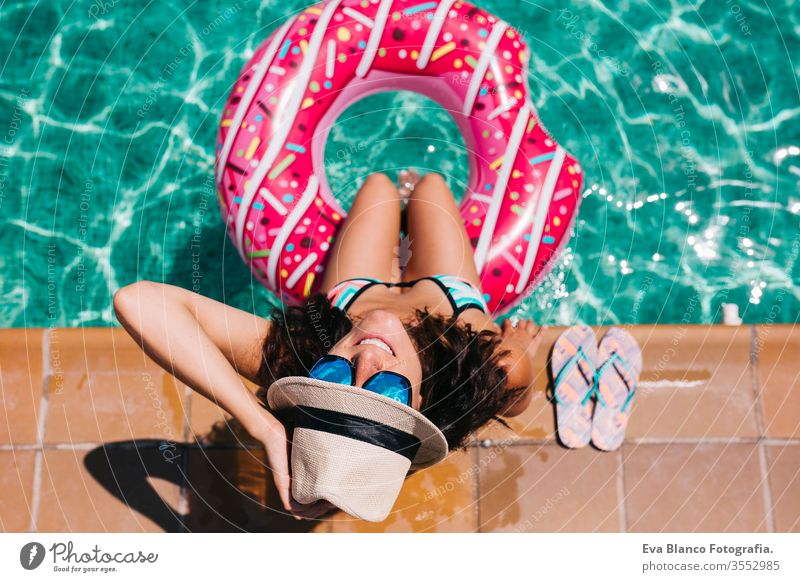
{"x": 379, "y": 341}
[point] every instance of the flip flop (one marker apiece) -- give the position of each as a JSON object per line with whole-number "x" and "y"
{"x": 615, "y": 387}
{"x": 573, "y": 365}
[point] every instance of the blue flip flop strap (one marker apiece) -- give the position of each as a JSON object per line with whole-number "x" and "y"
{"x": 615, "y": 357}
{"x": 573, "y": 361}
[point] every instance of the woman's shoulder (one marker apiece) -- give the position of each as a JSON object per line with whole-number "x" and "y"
{"x": 479, "y": 321}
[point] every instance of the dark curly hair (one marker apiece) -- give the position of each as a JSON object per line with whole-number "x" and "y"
{"x": 464, "y": 385}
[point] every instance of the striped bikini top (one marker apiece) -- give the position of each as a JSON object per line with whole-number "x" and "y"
{"x": 461, "y": 294}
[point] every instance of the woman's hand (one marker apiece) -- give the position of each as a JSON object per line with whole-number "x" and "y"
{"x": 272, "y": 434}
{"x": 526, "y": 334}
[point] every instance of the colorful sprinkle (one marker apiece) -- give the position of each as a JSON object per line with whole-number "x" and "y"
{"x": 251, "y": 149}
{"x": 282, "y": 165}
{"x": 343, "y": 34}
{"x": 548, "y": 240}
{"x": 285, "y": 48}
{"x": 542, "y": 158}
{"x": 419, "y": 8}
{"x": 258, "y": 254}
{"x": 296, "y": 148}
{"x": 442, "y": 51}
{"x": 307, "y": 286}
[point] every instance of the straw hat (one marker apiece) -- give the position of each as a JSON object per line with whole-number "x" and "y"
{"x": 353, "y": 447}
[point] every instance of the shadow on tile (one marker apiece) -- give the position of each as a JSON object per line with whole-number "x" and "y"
{"x": 227, "y": 488}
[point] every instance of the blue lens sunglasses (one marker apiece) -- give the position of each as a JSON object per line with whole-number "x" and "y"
{"x": 340, "y": 370}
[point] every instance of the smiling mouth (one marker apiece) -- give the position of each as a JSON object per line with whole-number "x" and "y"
{"x": 378, "y": 343}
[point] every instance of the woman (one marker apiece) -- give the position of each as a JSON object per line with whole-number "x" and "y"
{"x": 428, "y": 324}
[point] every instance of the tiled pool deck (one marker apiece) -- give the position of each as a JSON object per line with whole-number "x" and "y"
{"x": 94, "y": 437}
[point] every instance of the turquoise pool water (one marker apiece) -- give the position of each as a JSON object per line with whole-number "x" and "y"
{"x": 685, "y": 117}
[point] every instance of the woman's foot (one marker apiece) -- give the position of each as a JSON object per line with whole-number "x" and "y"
{"x": 407, "y": 180}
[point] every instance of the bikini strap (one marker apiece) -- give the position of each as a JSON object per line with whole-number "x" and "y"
{"x": 343, "y": 295}
{"x": 461, "y": 294}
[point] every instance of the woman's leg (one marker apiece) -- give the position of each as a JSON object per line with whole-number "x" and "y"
{"x": 438, "y": 241}
{"x": 366, "y": 241}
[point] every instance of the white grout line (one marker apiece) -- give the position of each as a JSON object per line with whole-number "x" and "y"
{"x": 782, "y": 442}
{"x": 36, "y": 495}
{"x": 766, "y": 486}
{"x": 476, "y": 487}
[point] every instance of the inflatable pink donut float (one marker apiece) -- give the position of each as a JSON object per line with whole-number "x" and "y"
{"x": 523, "y": 191}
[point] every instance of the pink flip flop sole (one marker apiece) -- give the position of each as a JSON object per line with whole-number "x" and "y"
{"x": 572, "y": 362}
{"x": 618, "y": 375}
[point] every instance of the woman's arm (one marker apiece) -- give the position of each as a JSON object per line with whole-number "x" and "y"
{"x": 206, "y": 345}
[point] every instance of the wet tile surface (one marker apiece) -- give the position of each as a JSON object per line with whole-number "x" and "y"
{"x": 209, "y": 424}
{"x": 16, "y": 484}
{"x": 783, "y": 462}
{"x": 537, "y": 422}
{"x": 85, "y": 350}
{"x": 21, "y": 384}
{"x": 546, "y": 488}
{"x": 231, "y": 491}
{"x": 437, "y": 499}
{"x": 694, "y": 488}
{"x": 104, "y": 407}
{"x": 777, "y": 348}
{"x": 122, "y": 489}
{"x": 696, "y": 382}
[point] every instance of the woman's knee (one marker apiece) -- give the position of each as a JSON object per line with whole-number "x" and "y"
{"x": 433, "y": 180}
{"x": 378, "y": 181}
{"x": 433, "y": 189}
